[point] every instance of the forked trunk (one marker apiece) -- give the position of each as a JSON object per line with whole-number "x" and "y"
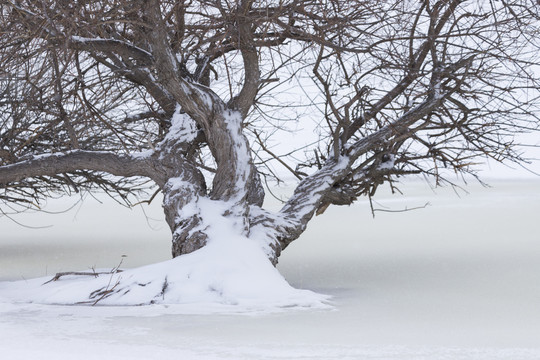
{"x": 196, "y": 222}
{"x": 194, "y": 218}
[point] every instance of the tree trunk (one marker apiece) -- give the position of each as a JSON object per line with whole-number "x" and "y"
{"x": 185, "y": 223}
{"x": 196, "y": 219}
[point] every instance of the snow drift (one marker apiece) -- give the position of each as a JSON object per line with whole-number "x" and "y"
{"x": 230, "y": 270}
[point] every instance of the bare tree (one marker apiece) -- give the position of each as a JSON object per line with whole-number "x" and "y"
{"x": 193, "y": 97}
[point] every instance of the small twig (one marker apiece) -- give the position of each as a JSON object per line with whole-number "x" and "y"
{"x": 116, "y": 269}
{"x": 404, "y": 210}
{"x": 104, "y": 293}
{"x": 261, "y": 143}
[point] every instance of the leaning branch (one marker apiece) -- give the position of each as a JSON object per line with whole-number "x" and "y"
{"x": 58, "y": 163}
{"x": 311, "y": 192}
{"x": 397, "y": 128}
{"x": 79, "y": 273}
{"x": 111, "y": 45}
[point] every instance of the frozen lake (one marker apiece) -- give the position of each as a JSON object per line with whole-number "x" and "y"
{"x": 459, "y": 279}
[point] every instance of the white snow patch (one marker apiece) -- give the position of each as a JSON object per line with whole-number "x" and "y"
{"x": 233, "y": 119}
{"x": 311, "y": 188}
{"x": 142, "y": 154}
{"x": 264, "y": 235}
{"x": 176, "y": 183}
{"x": 83, "y": 39}
{"x": 182, "y": 128}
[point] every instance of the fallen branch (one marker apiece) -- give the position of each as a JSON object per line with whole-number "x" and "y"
{"x": 102, "y": 293}
{"x": 82, "y": 273}
{"x": 403, "y": 210}
{"x": 114, "y": 270}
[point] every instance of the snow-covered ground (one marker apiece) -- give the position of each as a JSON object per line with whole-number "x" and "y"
{"x": 459, "y": 279}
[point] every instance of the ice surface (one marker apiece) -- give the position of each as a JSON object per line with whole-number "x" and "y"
{"x": 457, "y": 280}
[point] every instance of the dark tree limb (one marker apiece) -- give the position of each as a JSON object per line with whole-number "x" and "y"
{"x": 245, "y": 99}
{"x": 58, "y": 163}
{"x": 119, "y": 47}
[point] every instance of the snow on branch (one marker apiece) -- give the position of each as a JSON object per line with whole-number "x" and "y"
{"x": 398, "y": 127}
{"x": 310, "y": 194}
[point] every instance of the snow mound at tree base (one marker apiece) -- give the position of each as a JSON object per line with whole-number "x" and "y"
{"x": 232, "y": 272}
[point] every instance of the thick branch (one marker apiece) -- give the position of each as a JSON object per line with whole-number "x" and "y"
{"x": 311, "y": 192}
{"x": 58, "y": 163}
{"x": 246, "y": 97}
{"x": 397, "y": 128}
{"x": 112, "y": 45}
{"x": 236, "y": 177}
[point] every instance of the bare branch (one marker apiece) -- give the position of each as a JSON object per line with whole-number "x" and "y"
{"x": 111, "y": 45}
{"x": 58, "y": 163}
{"x": 247, "y": 95}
